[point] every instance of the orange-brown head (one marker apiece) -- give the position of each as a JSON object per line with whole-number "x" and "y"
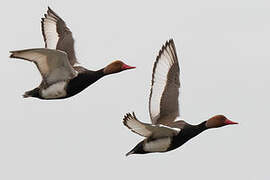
{"x": 218, "y": 121}
{"x": 116, "y": 66}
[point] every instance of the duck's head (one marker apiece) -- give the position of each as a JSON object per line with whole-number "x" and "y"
{"x": 116, "y": 66}
{"x": 218, "y": 121}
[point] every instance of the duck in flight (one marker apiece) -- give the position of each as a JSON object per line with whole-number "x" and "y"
{"x": 165, "y": 133}
{"x": 57, "y": 63}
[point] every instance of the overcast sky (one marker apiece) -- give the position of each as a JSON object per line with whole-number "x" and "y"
{"x": 224, "y": 55}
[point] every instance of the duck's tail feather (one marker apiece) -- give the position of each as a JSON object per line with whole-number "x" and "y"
{"x": 31, "y": 93}
{"x": 138, "y": 149}
{"x": 130, "y": 152}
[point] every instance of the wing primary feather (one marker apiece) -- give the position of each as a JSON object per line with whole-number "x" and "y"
{"x": 163, "y": 100}
{"x": 131, "y": 122}
{"x": 57, "y": 35}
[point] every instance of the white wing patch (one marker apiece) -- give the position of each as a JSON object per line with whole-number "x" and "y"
{"x": 49, "y": 28}
{"x": 56, "y": 90}
{"x": 162, "y": 66}
{"x": 158, "y": 145}
{"x": 177, "y": 130}
{"x": 135, "y": 125}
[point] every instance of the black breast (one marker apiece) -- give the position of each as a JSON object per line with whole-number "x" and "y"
{"x": 186, "y": 134}
{"x": 82, "y": 81}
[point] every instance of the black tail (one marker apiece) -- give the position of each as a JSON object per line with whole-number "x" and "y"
{"x": 32, "y": 93}
{"x": 138, "y": 149}
{"x": 130, "y": 152}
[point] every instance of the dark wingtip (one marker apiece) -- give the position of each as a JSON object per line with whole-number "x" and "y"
{"x": 50, "y": 11}
{"x": 126, "y": 116}
{"x": 163, "y": 48}
{"x": 170, "y": 41}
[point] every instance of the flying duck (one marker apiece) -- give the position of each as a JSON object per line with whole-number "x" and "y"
{"x": 165, "y": 133}
{"x": 57, "y": 63}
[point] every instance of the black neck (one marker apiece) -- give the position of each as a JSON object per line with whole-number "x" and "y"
{"x": 100, "y": 73}
{"x": 89, "y": 77}
{"x": 202, "y": 127}
{"x": 187, "y": 133}
{"x": 197, "y": 129}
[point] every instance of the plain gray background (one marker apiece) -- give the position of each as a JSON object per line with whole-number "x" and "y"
{"x": 223, "y": 50}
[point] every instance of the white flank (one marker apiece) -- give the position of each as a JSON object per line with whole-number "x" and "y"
{"x": 56, "y": 90}
{"x": 158, "y": 145}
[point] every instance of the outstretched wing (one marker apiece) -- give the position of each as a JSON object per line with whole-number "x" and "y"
{"x": 57, "y": 35}
{"x": 136, "y": 126}
{"x": 52, "y": 64}
{"x": 148, "y": 130}
{"x": 163, "y": 101}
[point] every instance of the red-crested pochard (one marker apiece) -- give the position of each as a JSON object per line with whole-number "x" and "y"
{"x": 165, "y": 133}
{"x": 61, "y": 77}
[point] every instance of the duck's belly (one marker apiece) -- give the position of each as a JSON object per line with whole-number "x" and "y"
{"x": 55, "y": 91}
